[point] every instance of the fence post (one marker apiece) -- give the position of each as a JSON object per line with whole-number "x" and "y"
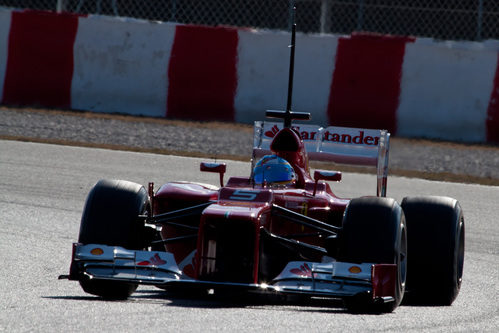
{"x": 173, "y": 17}
{"x": 325, "y": 16}
{"x": 479, "y": 21}
{"x": 61, "y": 6}
{"x": 360, "y": 15}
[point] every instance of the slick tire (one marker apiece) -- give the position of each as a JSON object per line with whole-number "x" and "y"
{"x": 374, "y": 231}
{"x": 435, "y": 231}
{"x": 110, "y": 217}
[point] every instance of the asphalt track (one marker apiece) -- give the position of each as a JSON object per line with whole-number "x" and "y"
{"x": 42, "y": 192}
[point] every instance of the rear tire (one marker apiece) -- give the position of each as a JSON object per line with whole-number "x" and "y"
{"x": 435, "y": 227}
{"x": 110, "y": 217}
{"x": 374, "y": 231}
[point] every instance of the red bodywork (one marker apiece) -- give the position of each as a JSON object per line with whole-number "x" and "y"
{"x": 231, "y": 241}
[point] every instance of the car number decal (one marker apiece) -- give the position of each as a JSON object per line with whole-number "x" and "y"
{"x": 243, "y": 195}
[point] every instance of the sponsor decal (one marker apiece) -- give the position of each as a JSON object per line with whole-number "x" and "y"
{"x": 359, "y": 139}
{"x": 304, "y": 270}
{"x": 355, "y": 270}
{"x": 304, "y": 134}
{"x": 307, "y": 135}
{"x": 332, "y": 134}
{"x": 97, "y": 251}
{"x": 304, "y": 209}
{"x": 153, "y": 261}
{"x": 272, "y": 132}
{"x": 188, "y": 264}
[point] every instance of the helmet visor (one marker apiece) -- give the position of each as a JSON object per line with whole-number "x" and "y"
{"x": 274, "y": 173}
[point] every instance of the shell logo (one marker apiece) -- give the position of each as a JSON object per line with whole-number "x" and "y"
{"x": 355, "y": 270}
{"x": 97, "y": 251}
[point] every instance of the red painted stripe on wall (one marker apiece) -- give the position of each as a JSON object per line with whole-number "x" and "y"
{"x": 366, "y": 81}
{"x": 202, "y": 74}
{"x": 40, "y": 59}
{"x": 492, "y": 123}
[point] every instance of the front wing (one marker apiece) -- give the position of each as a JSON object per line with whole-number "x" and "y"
{"x": 331, "y": 279}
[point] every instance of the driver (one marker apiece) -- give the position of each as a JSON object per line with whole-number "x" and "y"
{"x": 272, "y": 169}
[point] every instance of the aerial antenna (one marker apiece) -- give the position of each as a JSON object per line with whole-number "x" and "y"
{"x": 289, "y": 115}
{"x": 287, "y": 119}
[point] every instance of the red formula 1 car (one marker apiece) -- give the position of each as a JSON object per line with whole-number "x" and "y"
{"x": 278, "y": 231}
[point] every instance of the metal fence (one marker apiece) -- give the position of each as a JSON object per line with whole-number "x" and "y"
{"x": 441, "y": 19}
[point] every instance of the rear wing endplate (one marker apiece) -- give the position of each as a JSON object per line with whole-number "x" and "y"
{"x": 342, "y": 145}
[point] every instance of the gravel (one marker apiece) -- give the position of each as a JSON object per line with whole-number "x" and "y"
{"x": 408, "y": 157}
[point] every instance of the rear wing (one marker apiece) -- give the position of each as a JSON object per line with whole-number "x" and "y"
{"x": 343, "y": 145}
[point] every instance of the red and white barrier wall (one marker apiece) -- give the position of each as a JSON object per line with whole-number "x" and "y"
{"x": 412, "y": 87}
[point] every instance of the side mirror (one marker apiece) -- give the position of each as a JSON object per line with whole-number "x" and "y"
{"x": 334, "y": 176}
{"x": 215, "y": 167}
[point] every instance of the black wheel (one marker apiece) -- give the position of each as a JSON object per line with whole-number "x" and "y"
{"x": 110, "y": 217}
{"x": 374, "y": 232}
{"x": 435, "y": 229}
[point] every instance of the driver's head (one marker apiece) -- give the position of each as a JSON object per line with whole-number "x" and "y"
{"x": 272, "y": 169}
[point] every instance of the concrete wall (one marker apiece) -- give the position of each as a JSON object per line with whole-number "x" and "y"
{"x": 412, "y": 87}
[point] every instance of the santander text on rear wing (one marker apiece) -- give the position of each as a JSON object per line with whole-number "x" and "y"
{"x": 343, "y": 145}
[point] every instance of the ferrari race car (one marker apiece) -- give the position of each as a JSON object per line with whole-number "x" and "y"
{"x": 279, "y": 231}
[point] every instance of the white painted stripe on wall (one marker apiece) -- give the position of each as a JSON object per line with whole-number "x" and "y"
{"x": 5, "y": 20}
{"x": 120, "y": 65}
{"x": 263, "y": 67}
{"x": 314, "y": 68}
{"x": 445, "y": 90}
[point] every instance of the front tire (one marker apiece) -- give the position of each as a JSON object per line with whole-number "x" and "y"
{"x": 110, "y": 217}
{"x": 435, "y": 227}
{"x": 374, "y": 231}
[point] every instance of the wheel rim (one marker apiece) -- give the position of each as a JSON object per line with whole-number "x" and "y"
{"x": 460, "y": 254}
{"x": 402, "y": 258}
